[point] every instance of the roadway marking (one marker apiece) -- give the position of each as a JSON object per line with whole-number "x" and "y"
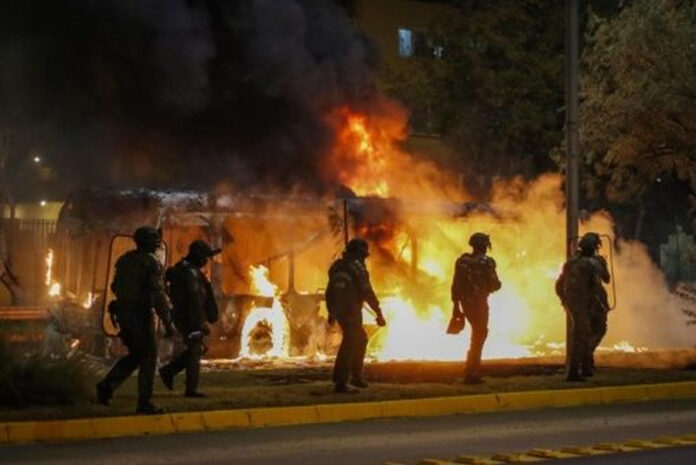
{"x": 568, "y": 452}
{"x": 476, "y": 460}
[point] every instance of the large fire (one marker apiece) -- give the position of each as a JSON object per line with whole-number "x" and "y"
{"x": 265, "y": 330}
{"x": 528, "y": 244}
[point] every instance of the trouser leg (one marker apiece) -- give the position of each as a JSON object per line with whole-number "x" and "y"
{"x": 178, "y": 364}
{"x": 359, "y": 348}
{"x": 578, "y": 349}
{"x": 194, "y": 352}
{"x": 127, "y": 364}
{"x": 120, "y": 372}
{"x": 146, "y": 352}
{"x": 342, "y": 365}
{"x": 478, "y": 320}
{"x": 350, "y": 348}
{"x": 598, "y": 329}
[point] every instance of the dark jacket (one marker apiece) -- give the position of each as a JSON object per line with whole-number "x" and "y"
{"x": 139, "y": 284}
{"x": 580, "y": 284}
{"x": 352, "y": 272}
{"x": 192, "y": 297}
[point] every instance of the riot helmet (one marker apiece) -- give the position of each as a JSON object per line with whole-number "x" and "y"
{"x": 480, "y": 241}
{"x": 589, "y": 243}
{"x": 147, "y": 239}
{"x": 358, "y": 247}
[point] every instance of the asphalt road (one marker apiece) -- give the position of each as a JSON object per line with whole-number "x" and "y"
{"x": 398, "y": 440}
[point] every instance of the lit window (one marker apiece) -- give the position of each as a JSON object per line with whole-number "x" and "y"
{"x": 405, "y": 42}
{"x": 438, "y": 51}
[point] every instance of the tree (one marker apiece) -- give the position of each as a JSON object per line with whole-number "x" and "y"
{"x": 638, "y": 114}
{"x": 497, "y": 90}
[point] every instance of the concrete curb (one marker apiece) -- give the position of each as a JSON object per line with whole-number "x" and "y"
{"x": 113, "y": 427}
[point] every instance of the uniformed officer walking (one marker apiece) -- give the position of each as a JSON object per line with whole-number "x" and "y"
{"x": 475, "y": 278}
{"x": 348, "y": 289}
{"x": 194, "y": 309}
{"x": 139, "y": 287}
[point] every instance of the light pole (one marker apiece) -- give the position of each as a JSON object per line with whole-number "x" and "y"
{"x": 571, "y": 130}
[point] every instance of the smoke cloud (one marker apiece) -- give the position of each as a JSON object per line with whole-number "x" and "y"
{"x": 179, "y": 93}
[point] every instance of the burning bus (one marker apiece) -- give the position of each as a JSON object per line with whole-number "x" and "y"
{"x": 269, "y": 279}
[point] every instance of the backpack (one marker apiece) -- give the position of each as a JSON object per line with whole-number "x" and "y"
{"x": 130, "y": 280}
{"x": 578, "y": 285}
{"x": 473, "y": 277}
{"x": 341, "y": 291}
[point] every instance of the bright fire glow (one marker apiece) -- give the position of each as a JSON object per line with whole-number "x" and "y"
{"x": 54, "y": 288}
{"x": 89, "y": 300}
{"x": 49, "y": 267}
{"x": 625, "y": 346}
{"x": 526, "y": 317}
{"x": 272, "y": 318}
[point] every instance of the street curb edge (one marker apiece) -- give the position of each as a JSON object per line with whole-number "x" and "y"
{"x": 114, "y": 427}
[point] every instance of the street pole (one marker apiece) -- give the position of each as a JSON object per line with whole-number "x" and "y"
{"x": 571, "y": 130}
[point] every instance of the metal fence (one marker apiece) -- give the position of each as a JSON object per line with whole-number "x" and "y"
{"x": 27, "y": 243}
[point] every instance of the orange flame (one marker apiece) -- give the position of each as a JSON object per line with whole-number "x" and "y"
{"x": 528, "y": 244}
{"x": 54, "y": 287}
{"x": 273, "y": 317}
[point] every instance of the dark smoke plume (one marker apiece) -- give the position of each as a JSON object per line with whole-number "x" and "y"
{"x": 179, "y": 93}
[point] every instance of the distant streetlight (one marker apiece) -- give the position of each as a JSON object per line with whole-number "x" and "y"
{"x": 42, "y": 203}
{"x": 37, "y": 159}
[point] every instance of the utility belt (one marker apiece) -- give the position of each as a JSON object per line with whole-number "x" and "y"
{"x": 118, "y": 310}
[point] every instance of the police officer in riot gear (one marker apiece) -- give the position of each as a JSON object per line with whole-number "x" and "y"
{"x": 348, "y": 289}
{"x": 194, "y": 309}
{"x": 583, "y": 296}
{"x": 475, "y": 278}
{"x": 139, "y": 287}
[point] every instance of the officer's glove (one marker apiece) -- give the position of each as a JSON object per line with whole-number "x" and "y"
{"x": 380, "y": 320}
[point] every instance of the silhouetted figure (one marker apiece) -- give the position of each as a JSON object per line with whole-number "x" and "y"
{"x": 348, "y": 289}
{"x": 475, "y": 278}
{"x": 194, "y": 309}
{"x": 139, "y": 286}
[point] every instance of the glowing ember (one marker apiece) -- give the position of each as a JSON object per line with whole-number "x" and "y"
{"x": 54, "y": 290}
{"x": 89, "y": 300}
{"x": 625, "y": 346}
{"x": 268, "y": 323}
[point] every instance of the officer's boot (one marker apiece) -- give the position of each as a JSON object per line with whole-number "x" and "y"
{"x": 145, "y": 407}
{"x": 167, "y": 376}
{"x": 104, "y": 393}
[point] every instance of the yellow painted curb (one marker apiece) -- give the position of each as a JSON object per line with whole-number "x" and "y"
{"x": 112, "y": 427}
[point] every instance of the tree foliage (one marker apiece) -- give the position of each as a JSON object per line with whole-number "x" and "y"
{"x": 497, "y": 90}
{"x": 638, "y": 113}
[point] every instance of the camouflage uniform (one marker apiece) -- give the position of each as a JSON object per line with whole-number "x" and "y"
{"x": 475, "y": 278}
{"x": 350, "y": 273}
{"x": 194, "y": 308}
{"x": 138, "y": 286}
{"x": 577, "y": 287}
